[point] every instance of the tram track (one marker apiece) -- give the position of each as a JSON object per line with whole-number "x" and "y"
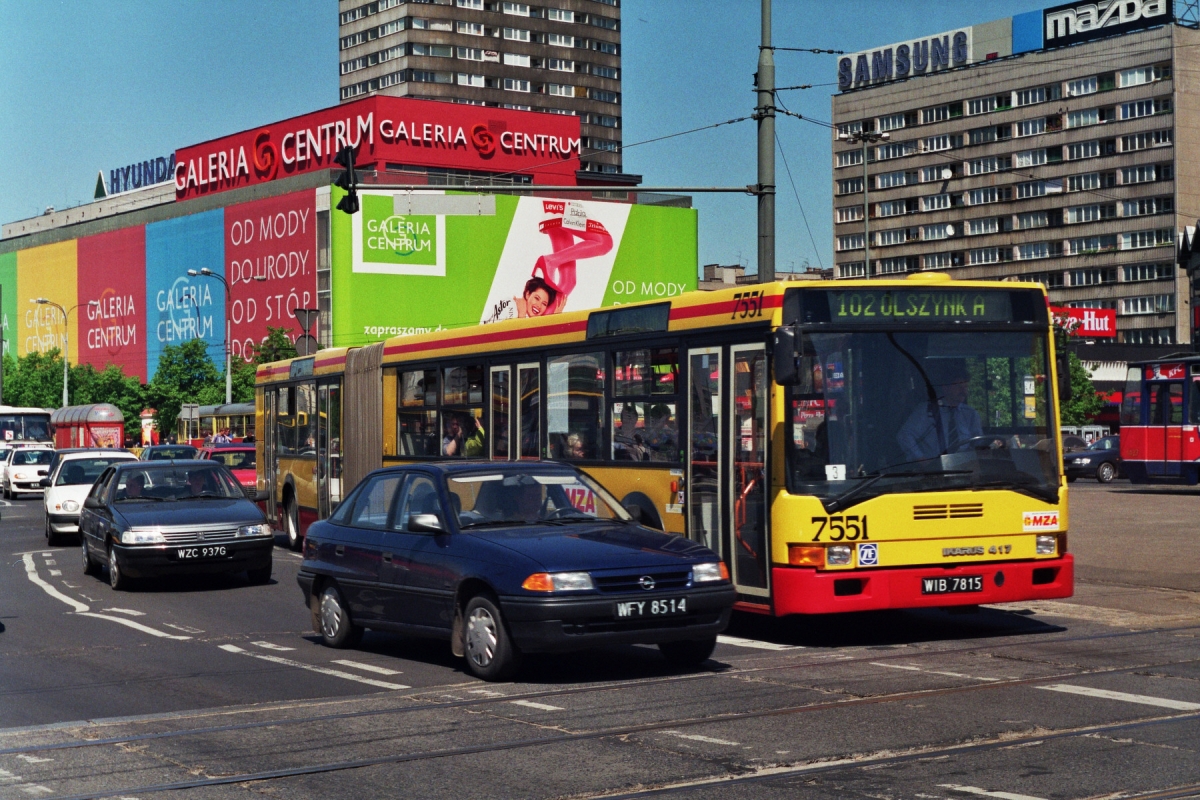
{"x": 558, "y": 738}
{"x": 636, "y": 684}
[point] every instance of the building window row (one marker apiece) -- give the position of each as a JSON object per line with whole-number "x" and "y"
{"x": 504, "y": 7}
{"x": 1077, "y": 246}
{"x": 1019, "y": 98}
{"x": 1051, "y": 218}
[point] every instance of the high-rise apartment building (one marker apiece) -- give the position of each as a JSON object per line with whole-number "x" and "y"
{"x": 1048, "y": 147}
{"x": 563, "y": 58}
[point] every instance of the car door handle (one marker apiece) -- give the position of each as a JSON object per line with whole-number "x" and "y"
{"x": 340, "y": 550}
{"x": 387, "y": 557}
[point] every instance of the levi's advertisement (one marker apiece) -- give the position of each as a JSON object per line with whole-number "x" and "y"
{"x": 271, "y": 266}
{"x": 398, "y": 275}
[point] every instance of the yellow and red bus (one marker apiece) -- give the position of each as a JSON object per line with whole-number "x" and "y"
{"x": 843, "y": 446}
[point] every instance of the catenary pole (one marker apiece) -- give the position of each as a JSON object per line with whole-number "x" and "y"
{"x": 765, "y": 114}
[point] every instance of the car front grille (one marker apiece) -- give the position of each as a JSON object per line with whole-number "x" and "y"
{"x": 632, "y": 582}
{"x": 191, "y": 536}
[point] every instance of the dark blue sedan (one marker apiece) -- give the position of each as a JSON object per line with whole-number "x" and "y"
{"x": 507, "y": 559}
{"x": 1101, "y": 460}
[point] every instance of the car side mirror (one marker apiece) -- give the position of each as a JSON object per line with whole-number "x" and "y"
{"x": 1064, "y": 378}
{"x": 92, "y": 502}
{"x": 784, "y": 349}
{"x": 44, "y": 483}
{"x": 262, "y": 497}
{"x": 425, "y": 523}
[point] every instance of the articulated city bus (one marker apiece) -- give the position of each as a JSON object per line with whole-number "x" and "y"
{"x": 1160, "y": 412}
{"x": 843, "y": 446}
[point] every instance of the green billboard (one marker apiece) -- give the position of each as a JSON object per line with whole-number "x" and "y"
{"x": 401, "y": 274}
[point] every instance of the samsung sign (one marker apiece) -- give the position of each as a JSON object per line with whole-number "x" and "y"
{"x": 919, "y": 57}
{"x": 1079, "y": 22}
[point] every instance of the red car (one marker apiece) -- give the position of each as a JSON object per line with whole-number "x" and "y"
{"x": 240, "y": 460}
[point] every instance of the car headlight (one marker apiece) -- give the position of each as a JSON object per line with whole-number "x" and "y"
{"x": 704, "y": 573}
{"x": 558, "y": 582}
{"x": 837, "y": 555}
{"x": 142, "y": 537}
{"x": 1082, "y": 461}
{"x": 21, "y": 476}
{"x": 1046, "y": 545}
{"x": 70, "y": 505}
{"x": 254, "y": 530}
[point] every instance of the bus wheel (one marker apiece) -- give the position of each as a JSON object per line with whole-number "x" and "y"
{"x": 642, "y": 509}
{"x": 291, "y": 521}
{"x": 1106, "y": 472}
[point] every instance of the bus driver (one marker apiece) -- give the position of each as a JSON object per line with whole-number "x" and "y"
{"x": 920, "y": 438}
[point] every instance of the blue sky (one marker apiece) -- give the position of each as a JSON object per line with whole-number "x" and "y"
{"x": 91, "y": 86}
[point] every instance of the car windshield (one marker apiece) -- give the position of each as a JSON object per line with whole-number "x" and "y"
{"x": 234, "y": 459}
{"x": 39, "y": 457}
{"x": 175, "y": 483}
{"x": 507, "y": 497}
{"x": 921, "y": 411}
{"x": 182, "y": 453}
{"x": 83, "y": 471}
{"x": 1107, "y": 443}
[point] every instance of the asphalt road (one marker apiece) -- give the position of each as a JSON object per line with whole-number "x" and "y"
{"x": 215, "y": 688}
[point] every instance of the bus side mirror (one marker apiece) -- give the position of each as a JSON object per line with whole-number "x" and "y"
{"x": 785, "y": 347}
{"x": 1064, "y": 378}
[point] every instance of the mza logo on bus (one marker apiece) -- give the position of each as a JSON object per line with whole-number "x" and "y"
{"x": 1040, "y": 520}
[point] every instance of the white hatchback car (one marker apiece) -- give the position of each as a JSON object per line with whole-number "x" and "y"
{"x": 23, "y": 468}
{"x": 69, "y": 485}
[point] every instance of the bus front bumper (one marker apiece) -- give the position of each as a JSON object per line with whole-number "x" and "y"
{"x": 799, "y": 590}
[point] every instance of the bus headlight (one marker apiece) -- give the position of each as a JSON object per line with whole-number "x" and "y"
{"x": 1047, "y": 545}
{"x": 806, "y": 555}
{"x": 838, "y": 555}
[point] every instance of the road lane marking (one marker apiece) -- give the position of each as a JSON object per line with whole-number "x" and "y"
{"x": 754, "y": 643}
{"x": 128, "y": 611}
{"x": 56, "y": 573}
{"x": 36, "y": 789}
{"x": 337, "y": 673}
{"x": 931, "y": 671}
{"x": 137, "y": 626}
{"x": 486, "y": 693}
{"x": 5, "y": 775}
{"x": 975, "y": 790}
{"x": 183, "y": 628}
{"x": 695, "y": 737}
{"x": 538, "y": 706}
{"x": 31, "y": 573}
{"x": 272, "y": 646}
{"x": 894, "y": 666}
{"x": 1104, "y": 694}
{"x": 33, "y": 759}
{"x": 345, "y": 662}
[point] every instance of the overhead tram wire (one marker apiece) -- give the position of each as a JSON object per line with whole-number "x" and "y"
{"x": 804, "y": 216}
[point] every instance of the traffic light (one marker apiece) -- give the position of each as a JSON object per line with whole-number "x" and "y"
{"x": 348, "y": 180}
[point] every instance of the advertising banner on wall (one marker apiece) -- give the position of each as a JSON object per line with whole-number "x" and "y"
{"x": 8, "y": 300}
{"x": 399, "y": 274}
{"x": 271, "y": 265}
{"x": 46, "y": 272}
{"x": 181, "y": 307}
{"x": 112, "y": 274}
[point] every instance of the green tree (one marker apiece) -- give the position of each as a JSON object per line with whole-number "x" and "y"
{"x": 276, "y": 347}
{"x": 185, "y": 374}
{"x": 110, "y": 385}
{"x": 1085, "y": 403}
{"x": 34, "y": 379}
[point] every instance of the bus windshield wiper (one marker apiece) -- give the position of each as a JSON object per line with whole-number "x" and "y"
{"x": 840, "y": 502}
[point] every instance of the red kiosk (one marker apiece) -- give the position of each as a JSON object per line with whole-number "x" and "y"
{"x": 95, "y": 425}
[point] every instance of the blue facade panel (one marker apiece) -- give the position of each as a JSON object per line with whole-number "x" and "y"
{"x": 180, "y": 307}
{"x": 1027, "y": 32}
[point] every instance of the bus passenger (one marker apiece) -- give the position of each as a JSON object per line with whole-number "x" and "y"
{"x": 628, "y": 444}
{"x": 662, "y": 433}
{"x": 919, "y": 436}
{"x": 452, "y": 442}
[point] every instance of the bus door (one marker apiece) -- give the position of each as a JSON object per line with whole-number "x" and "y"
{"x": 705, "y": 448}
{"x": 1165, "y": 437}
{"x": 747, "y": 488}
{"x": 270, "y": 465}
{"x": 499, "y": 424}
{"x": 329, "y": 448}
{"x": 529, "y": 411}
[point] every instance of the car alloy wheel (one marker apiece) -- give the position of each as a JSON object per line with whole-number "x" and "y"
{"x": 1106, "y": 472}
{"x": 116, "y": 579}
{"x": 337, "y": 629}
{"x": 89, "y": 566}
{"x": 491, "y": 654}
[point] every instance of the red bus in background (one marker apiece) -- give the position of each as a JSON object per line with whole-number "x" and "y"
{"x": 1160, "y": 414}
{"x": 95, "y": 425}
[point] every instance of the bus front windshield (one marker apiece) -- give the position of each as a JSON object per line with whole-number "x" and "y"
{"x": 886, "y": 412}
{"x": 25, "y": 427}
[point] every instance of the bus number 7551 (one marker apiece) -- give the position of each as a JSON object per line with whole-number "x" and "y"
{"x": 849, "y": 527}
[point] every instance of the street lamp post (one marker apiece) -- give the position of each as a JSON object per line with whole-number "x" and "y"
{"x": 864, "y": 138}
{"x": 42, "y": 301}
{"x": 208, "y": 273}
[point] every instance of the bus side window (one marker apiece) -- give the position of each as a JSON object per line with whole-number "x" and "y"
{"x": 529, "y": 421}
{"x": 417, "y": 416}
{"x": 575, "y": 405}
{"x": 1194, "y": 411}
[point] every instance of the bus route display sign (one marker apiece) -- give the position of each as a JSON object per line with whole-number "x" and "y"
{"x": 888, "y": 307}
